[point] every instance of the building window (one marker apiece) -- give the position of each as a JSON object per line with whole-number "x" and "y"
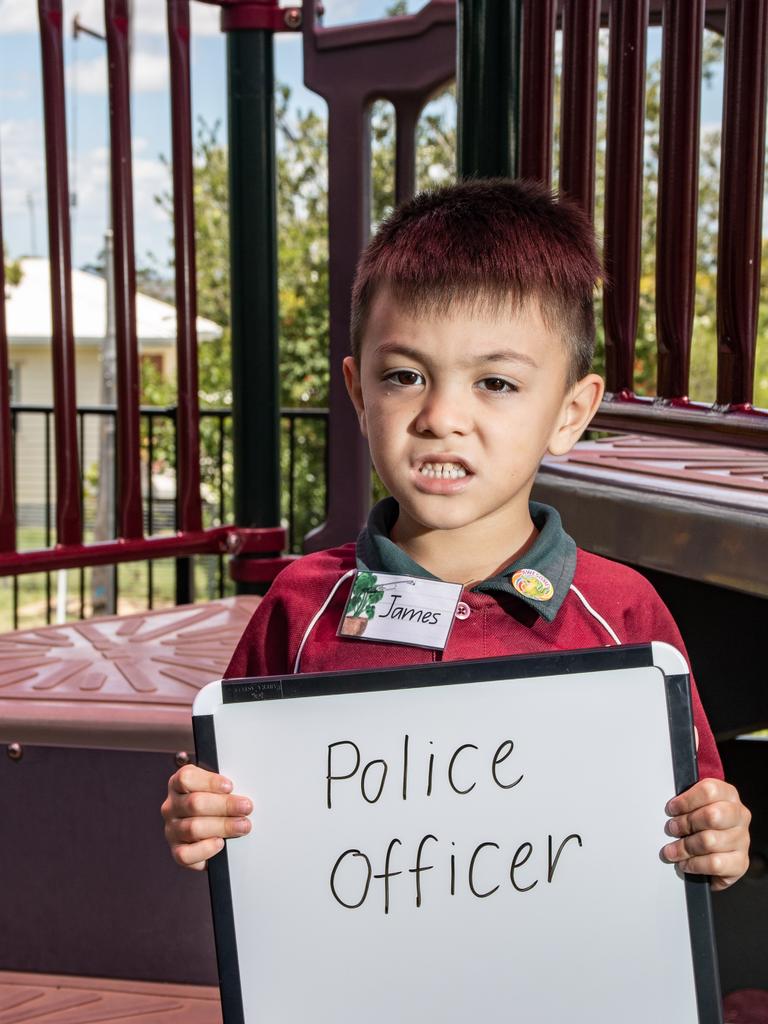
{"x": 14, "y": 380}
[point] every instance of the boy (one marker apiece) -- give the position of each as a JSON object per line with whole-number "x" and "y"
{"x": 472, "y": 338}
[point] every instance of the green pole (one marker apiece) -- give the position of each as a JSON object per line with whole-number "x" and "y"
{"x": 253, "y": 256}
{"x": 489, "y": 87}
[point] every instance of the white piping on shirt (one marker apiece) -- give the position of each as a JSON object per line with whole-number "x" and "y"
{"x": 313, "y": 623}
{"x": 595, "y": 614}
{"x": 351, "y": 572}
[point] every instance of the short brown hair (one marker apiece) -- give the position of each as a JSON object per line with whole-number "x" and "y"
{"x": 489, "y": 243}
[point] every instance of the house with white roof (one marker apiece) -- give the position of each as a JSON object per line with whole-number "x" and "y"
{"x": 29, "y": 326}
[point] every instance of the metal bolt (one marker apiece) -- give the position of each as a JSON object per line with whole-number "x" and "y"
{"x": 15, "y": 751}
{"x": 182, "y": 758}
{"x": 292, "y": 17}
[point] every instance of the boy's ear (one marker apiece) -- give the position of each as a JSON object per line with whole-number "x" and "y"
{"x": 580, "y": 405}
{"x": 351, "y": 369}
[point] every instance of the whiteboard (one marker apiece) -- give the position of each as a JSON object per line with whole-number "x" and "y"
{"x": 460, "y": 841}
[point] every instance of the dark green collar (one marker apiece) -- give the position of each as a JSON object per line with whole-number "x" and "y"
{"x": 552, "y": 555}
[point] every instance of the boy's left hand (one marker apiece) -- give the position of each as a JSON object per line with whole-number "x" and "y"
{"x": 713, "y": 825}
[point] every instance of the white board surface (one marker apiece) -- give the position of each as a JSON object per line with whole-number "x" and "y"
{"x": 601, "y": 937}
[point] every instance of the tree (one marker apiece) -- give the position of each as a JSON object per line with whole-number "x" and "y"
{"x": 12, "y": 269}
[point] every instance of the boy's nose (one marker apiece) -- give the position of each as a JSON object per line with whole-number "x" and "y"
{"x": 442, "y": 413}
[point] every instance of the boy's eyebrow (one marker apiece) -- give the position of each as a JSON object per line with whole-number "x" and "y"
{"x": 506, "y": 355}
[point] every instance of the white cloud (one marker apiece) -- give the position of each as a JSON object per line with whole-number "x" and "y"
{"x": 17, "y": 16}
{"x": 23, "y": 176}
{"x": 149, "y": 73}
{"x": 206, "y": 20}
{"x": 88, "y": 77}
{"x": 23, "y": 165}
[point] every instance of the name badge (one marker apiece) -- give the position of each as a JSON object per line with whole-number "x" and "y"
{"x": 400, "y": 610}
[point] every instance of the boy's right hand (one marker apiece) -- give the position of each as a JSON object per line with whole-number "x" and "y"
{"x": 200, "y": 812}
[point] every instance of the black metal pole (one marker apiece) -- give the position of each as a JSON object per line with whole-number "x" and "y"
{"x": 253, "y": 255}
{"x": 489, "y": 87}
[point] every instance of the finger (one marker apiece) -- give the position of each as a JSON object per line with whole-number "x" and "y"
{"x": 706, "y": 791}
{"x": 721, "y": 815}
{"x": 206, "y": 805}
{"x": 191, "y": 779}
{"x": 195, "y": 855}
{"x": 194, "y": 830}
{"x": 711, "y": 841}
{"x": 724, "y": 868}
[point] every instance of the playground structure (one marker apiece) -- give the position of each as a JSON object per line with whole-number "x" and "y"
{"x": 681, "y": 493}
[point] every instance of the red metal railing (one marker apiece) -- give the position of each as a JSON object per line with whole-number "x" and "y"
{"x": 130, "y": 544}
{"x": 188, "y": 455}
{"x": 578, "y": 122}
{"x": 404, "y": 60}
{"x": 537, "y": 79}
{"x": 7, "y": 499}
{"x": 732, "y": 418}
{"x": 678, "y": 186}
{"x": 68, "y": 524}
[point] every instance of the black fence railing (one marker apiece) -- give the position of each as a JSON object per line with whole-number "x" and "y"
{"x": 40, "y": 598}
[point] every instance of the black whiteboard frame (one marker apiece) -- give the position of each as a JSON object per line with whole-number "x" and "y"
{"x": 446, "y": 673}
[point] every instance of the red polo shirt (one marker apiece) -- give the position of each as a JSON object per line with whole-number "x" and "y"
{"x": 596, "y": 601}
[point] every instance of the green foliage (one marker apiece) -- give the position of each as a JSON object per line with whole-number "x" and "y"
{"x": 302, "y": 212}
{"x": 12, "y": 268}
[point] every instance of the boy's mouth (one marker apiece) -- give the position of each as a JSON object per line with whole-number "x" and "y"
{"x": 443, "y": 470}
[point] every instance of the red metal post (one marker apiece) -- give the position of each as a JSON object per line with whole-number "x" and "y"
{"x": 130, "y": 523}
{"x": 678, "y": 193}
{"x": 536, "y": 89}
{"x": 407, "y": 112}
{"x": 624, "y": 187}
{"x": 742, "y": 167}
{"x": 68, "y": 522}
{"x": 7, "y": 504}
{"x": 188, "y": 417}
{"x": 578, "y": 102}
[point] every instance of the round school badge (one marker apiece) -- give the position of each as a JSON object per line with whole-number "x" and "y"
{"x": 533, "y": 585}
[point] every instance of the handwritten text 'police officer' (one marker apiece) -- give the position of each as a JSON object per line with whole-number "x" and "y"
{"x": 353, "y": 874}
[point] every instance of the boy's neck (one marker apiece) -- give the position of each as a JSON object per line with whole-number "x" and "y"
{"x": 462, "y": 555}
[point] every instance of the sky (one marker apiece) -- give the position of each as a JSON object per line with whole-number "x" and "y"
{"x": 22, "y": 166}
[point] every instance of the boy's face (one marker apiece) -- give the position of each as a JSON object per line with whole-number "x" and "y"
{"x": 459, "y": 411}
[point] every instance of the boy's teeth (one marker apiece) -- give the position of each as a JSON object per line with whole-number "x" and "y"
{"x": 443, "y": 470}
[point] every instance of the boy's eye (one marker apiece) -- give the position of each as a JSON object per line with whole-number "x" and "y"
{"x": 497, "y": 385}
{"x": 405, "y": 378}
